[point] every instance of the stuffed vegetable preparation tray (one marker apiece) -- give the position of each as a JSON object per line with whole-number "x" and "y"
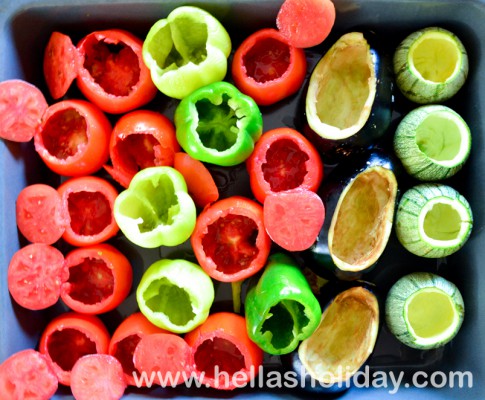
{"x": 241, "y": 199}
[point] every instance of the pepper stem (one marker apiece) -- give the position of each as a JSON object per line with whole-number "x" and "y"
{"x": 236, "y": 296}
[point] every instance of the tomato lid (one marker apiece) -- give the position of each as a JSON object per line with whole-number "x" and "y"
{"x": 22, "y": 106}
{"x": 61, "y": 64}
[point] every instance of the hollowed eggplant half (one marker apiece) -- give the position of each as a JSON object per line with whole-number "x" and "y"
{"x": 349, "y": 99}
{"x": 360, "y": 201}
{"x": 341, "y": 344}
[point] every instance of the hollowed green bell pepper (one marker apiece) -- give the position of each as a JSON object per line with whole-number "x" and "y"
{"x": 281, "y": 309}
{"x": 156, "y": 209}
{"x": 218, "y": 124}
{"x": 186, "y": 50}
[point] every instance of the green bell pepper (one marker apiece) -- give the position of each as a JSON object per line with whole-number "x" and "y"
{"x": 186, "y": 50}
{"x": 175, "y": 295}
{"x": 281, "y": 309}
{"x": 156, "y": 209}
{"x": 218, "y": 124}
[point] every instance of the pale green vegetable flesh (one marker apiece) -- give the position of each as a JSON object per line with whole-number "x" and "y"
{"x": 362, "y": 220}
{"x": 433, "y": 220}
{"x": 433, "y": 142}
{"x": 424, "y": 310}
{"x": 430, "y": 65}
{"x": 342, "y": 88}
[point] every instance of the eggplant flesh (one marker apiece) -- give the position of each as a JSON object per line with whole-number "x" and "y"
{"x": 348, "y": 105}
{"x": 360, "y": 201}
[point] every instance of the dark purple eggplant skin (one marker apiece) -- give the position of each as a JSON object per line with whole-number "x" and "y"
{"x": 379, "y": 121}
{"x": 292, "y": 362}
{"x": 318, "y": 257}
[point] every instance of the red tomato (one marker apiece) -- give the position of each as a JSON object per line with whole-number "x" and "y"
{"x": 39, "y": 214}
{"x": 229, "y": 239}
{"x": 27, "y": 375}
{"x": 166, "y": 355}
{"x": 100, "y": 278}
{"x": 267, "y": 68}
{"x": 283, "y": 159}
{"x": 222, "y": 341}
{"x": 73, "y": 138}
{"x": 97, "y": 376}
{"x": 88, "y": 202}
{"x": 35, "y": 275}
{"x": 61, "y": 64}
{"x": 200, "y": 183}
{"x": 113, "y": 74}
{"x": 70, "y": 336}
{"x": 293, "y": 218}
{"x": 125, "y": 339}
{"x": 22, "y": 106}
{"x": 306, "y": 23}
{"x": 141, "y": 139}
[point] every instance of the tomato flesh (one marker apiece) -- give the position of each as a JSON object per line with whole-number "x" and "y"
{"x": 114, "y": 67}
{"x": 142, "y": 151}
{"x": 90, "y": 281}
{"x": 64, "y": 133}
{"x": 90, "y": 212}
{"x": 66, "y": 346}
{"x": 221, "y": 353}
{"x": 285, "y": 167}
{"x": 124, "y": 353}
{"x": 231, "y": 243}
{"x": 267, "y": 60}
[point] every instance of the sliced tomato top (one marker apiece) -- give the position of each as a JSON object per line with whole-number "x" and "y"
{"x": 27, "y": 374}
{"x": 61, "y": 64}
{"x": 229, "y": 240}
{"x": 88, "y": 201}
{"x": 141, "y": 139}
{"x": 113, "y": 74}
{"x": 22, "y": 106}
{"x": 35, "y": 275}
{"x": 283, "y": 159}
{"x": 100, "y": 278}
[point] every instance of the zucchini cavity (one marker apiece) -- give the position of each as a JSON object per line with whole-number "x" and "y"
{"x": 433, "y": 220}
{"x": 424, "y": 310}
{"x": 349, "y": 97}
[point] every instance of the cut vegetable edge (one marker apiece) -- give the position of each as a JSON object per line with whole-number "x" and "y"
{"x": 410, "y": 317}
{"x": 433, "y": 220}
{"x": 433, "y": 142}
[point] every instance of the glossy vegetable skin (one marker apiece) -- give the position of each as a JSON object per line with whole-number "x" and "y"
{"x": 360, "y": 199}
{"x": 283, "y": 159}
{"x": 140, "y": 139}
{"x": 113, "y": 75}
{"x": 267, "y": 68}
{"x": 186, "y": 50}
{"x": 126, "y": 337}
{"x": 223, "y": 343}
{"x": 156, "y": 209}
{"x": 218, "y": 124}
{"x": 100, "y": 278}
{"x": 73, "y": 138}
{"x": 357, "y": 64}
{"x": 229, "y": 239}
{"x": 88, "y": 202}
{"x": 70, "y": 336}
{"x": 281, "y": 309}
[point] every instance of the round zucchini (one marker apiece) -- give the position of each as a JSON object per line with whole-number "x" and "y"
{"x": 430, "y": 65}
{"x": 433, "y": 220}
{"x": 432, "y": 142}
{"x": 424, "y": 311}
{"x": 348, "y": 105}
